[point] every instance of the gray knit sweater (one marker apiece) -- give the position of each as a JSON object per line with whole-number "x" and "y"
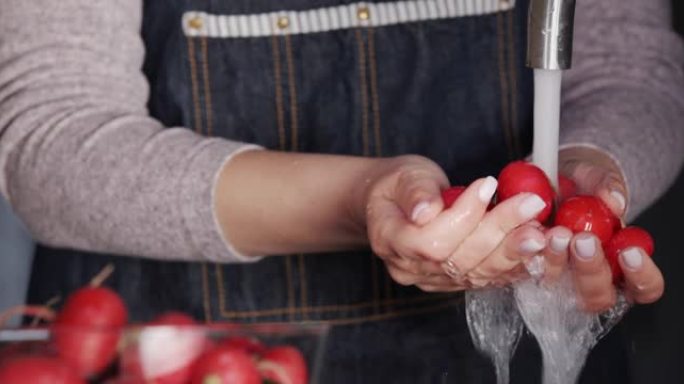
{"x": 85, "y": 166}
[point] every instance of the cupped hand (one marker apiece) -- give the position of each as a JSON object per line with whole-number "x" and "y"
{"x": 438, "y": 249}
{"x": 595, "y": 173}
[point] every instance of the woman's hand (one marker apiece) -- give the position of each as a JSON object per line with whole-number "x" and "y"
{"x": 595, "y": 173}
{"x": 440, "y": 249}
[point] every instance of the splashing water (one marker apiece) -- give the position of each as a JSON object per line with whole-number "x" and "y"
{"x": 565, "y": 333}
{"x": 495, "y": 326}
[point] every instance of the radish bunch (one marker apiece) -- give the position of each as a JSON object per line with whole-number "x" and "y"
{"x": 89, "y": 345}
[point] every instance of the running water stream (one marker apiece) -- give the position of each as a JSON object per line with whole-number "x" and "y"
{"x": 564, "y": 332}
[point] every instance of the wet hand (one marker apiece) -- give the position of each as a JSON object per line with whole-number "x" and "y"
{"x": 451, "y": 249}
{"x": 595, "y": 173}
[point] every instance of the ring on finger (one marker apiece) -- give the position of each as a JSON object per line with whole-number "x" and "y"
{"x": 452, "y": 270}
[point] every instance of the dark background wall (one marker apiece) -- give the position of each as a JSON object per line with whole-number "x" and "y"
{"x": 678, "y": 7}
{"x": 654, "y": 335}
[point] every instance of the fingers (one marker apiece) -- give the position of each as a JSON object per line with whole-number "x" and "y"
{"x": 415, "y": 266}
{"x": 437, "y": 240}
{"x": 418, "y": 194}
{"x": 442, "y": 288}
{"x": 520, "y": 245}
{"x": 643, "y": 280}
{"x": 612, "y": 191}
{"x": 556, "y": 253}
{"x": 593, "y": 277}
{"x": 406, "y": 278}
{"x": 596, "y": 173}
{"x": 491, "y": 231}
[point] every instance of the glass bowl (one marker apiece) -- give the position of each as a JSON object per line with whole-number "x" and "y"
{"x": 159, "y": 350}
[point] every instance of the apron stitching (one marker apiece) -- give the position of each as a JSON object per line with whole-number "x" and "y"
{"x": 280, "y": 114}
{"x": 198, "y": 128}
{"x": 302, "y": 287}
{"x": 374, "y": 92}
{"x": 208, "y": 117}
{"x": 293, "y": 94}
{"x": 514, "y": 85}
{"x": 207, "y": 87}
{"x": 327, "y": 308}
{"x": 195, "y": 87}
{"x": 293, "y": 147}
{"x": 205, "y": 294}
{"x": 366, "y": 149}
{"x": 219, "y": 286}
{"x": 291, "y": 309}
{"x": 503, "y": 85}
{"x": 377, "y": 130}
{"x": 364, "y": 91}
{"x": 386, "y": 316}
{"x": 395, "y": 314}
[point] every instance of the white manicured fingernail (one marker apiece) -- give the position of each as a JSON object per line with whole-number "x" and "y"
{"x": 418, "y": 210}
{"x": 531, "y": 206}
{"x": 536, "y": 266}
{"x": 487, "y": 189}
{"x": 559, "y": 243}
{"x": 531, "y": 246}
{"x": 632, "y": 259}
{"x": 620, "y": 198}
{"x": 586, "y": 248}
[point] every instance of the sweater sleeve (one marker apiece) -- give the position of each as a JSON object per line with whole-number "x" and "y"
{"x": 81, "y": 161}
{"x": 625, "y": 92}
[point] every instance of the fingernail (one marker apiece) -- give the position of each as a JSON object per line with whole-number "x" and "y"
{"x": 531, "y": 246}
{"x": 585, "y": 247}
{"x": 531, "y": 206}
{"x": 536, "y": 266}
{"x": 419, "y": 210}
{"x": 487, "y": 189}
{"x": 559, "y": 243}
{"x": 632, "y": 259}
{"x": 620, "y": 198}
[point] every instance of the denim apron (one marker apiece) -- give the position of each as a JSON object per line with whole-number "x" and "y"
{"x": 444, "y": 79}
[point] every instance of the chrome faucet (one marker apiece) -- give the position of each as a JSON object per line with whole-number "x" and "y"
{"x": 549, "y": 34}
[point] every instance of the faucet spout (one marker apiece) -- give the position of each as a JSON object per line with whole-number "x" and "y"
{"x": 550, "y": 33}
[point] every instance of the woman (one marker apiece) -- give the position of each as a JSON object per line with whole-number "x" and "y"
{"x": 88, "y": 164}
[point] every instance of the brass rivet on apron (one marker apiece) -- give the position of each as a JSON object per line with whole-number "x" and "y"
{"x": 283, "y": 22}
{"x": 196, "y": 22}
{"x": 363, "y": 13}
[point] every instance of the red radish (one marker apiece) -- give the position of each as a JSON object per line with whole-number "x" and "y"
{"x": 623, "y": 239}
{"x": 86, "y": 332}
{"x": 38, "y": 370}
{"x": 248, "y": 344}
{"x": 28, "y": 348}
{"x": 129, "y": 365}
{"x": 587, "y": 214}
{"x": 520, "y": 176}
{"x": 225, "y": 365}
{"x": 450, "y": 195}
{"x": 284, "y": 365}
{"x": 166, "y": 350}
{"x": 566, "y": 188}
{"x": 125, "y": 380}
